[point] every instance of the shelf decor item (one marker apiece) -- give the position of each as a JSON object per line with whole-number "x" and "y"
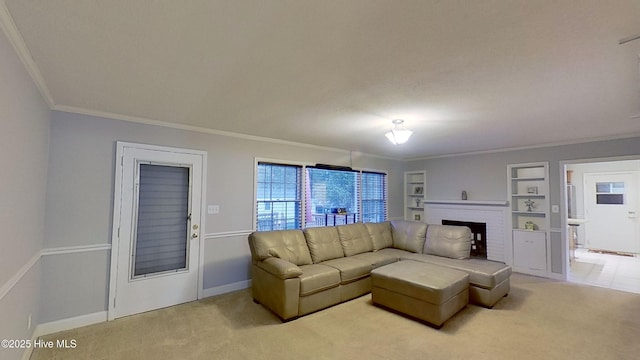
{"x": 529, "y": 225}
{"x": 418, "y": 190}
{"x": 530, "y": 204}
{"x": 416, "y": 217}
{"x": 532, "y": 190}
{"x": 418, "y": 202}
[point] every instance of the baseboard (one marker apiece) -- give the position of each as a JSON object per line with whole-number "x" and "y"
{"x": 218, "y": 290}
{"x": 69, "y": 323}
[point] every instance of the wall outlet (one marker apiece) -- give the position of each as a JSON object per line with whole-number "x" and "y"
{"x": 555, "y": 209}
{"x": 213, "y": 209}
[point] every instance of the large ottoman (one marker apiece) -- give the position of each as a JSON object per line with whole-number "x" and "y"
{"x": 424, "y": 291}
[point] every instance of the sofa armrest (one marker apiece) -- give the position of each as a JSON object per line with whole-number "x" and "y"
{"x": 280, "y": 268}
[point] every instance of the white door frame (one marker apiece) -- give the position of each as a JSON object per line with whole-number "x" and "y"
{"x": 564, "y": 212}
{"x": 117, "y": 207}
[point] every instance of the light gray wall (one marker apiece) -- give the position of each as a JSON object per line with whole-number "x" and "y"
{"x": 484, "y": 176}
{"x": 80, "y": 201}
{"x": 24, "y": 142}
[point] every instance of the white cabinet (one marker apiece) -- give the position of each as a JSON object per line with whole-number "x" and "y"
{"x": 529, "y": 201}
{"x": 415, "y": 185}
{"x": 530, "y": 251}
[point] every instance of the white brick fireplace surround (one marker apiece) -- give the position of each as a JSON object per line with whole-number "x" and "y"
{"x": 492, "y": 213}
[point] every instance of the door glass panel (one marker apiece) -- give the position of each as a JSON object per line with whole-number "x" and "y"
{"x": 161, "y": 241}
{"x": 610, "y": 193}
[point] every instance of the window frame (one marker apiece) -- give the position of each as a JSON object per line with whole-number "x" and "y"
{"x": 303, "y": 190}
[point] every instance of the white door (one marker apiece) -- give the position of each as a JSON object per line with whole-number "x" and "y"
{"x": 611, "y": 203}
{"x": 156, "y": 238}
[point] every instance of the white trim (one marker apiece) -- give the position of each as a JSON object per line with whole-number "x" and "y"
{"x": 469, "y": 202}
{"x": 22, "y": 51}
{"x": 227, "y": 234}
{"x": 147, "y": 121}
{"x": 537, "y": 146}
{"x": 218, "y": 290}
{"x": 4, "y": 290}
{"x": 69, "y": 323}
{"x": 75, "y": 249}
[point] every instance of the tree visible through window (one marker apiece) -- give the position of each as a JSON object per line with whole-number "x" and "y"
{"x": 332, "y": 196}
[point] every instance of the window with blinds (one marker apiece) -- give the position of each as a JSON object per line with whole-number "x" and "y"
{"x": 161, "y": 241}
{"x": 374, "y": 196}
{"x": 279, "y": 197}
{"x": 325, "y": 197}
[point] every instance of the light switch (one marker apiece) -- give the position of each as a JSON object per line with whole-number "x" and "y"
{"x": 555, "y": 209}
{"x": 213, "y": 209}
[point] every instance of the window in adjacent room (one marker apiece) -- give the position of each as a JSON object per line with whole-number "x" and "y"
{"x": 610, "y": 193}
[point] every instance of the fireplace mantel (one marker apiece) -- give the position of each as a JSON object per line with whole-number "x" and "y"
{"x": 469, "y": 202}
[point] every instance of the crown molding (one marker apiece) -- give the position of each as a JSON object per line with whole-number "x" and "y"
{"x": 17, "y": 42}
{"x": 537, "y": 146}
{"x": 200, "y": 129}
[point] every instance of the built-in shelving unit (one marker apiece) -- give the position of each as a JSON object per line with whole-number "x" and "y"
{"x": 415, "y": 185}
{"x": 529, "y": 199}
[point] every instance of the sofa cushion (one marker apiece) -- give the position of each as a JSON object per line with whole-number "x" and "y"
{"x": 324, "y": 243}
{"x": 351, "y": 269}
{"x": 377, "y": 258}
{"x": 395, "y": 253}
{"x": 354, "y": 238}
{"x": 380, "y": 235}
{"x": 448, "y": 241}
{"x": 289, "y": 245}
{"x": 408, "y": 235}
{"x": 316, "y": 278}
{"x": 423, "y": 281}
{"x": 482, "y": 273}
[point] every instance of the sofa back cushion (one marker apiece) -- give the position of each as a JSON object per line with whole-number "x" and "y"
{"x": 448, "y": 241}
{"x": 354, "y": 239}
{"x": 380, "y": 235}
{"x": 289, "y": 245}
{"x": 324, "y": 243}
{"x": 408, "y": 235}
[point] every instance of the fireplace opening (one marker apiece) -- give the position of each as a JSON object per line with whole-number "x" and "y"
{"x": 478, "y": 236}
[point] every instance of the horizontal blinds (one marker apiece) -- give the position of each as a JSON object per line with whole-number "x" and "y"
{"x": 374, "y": 196}
{"x": 163, "y": 210}
{"x": 279, "y": 197}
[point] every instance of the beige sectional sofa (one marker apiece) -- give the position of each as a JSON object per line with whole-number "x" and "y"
{"x": 297, "y": 272}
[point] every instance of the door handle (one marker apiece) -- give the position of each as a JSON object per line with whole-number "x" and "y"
{"x": 194, "y": 235}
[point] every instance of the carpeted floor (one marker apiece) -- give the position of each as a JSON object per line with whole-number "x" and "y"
{"x": 540, "y": 319}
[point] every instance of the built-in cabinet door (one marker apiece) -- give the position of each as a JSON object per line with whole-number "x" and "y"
{"x": 530, "y": 250}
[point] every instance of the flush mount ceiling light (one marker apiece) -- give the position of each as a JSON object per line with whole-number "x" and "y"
{"x": 399, "y": 134}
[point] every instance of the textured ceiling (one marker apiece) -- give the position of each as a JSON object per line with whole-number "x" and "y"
{"x": 464, "y": 75}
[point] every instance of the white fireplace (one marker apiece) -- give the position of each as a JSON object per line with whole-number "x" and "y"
{"x": 492, "y": 213}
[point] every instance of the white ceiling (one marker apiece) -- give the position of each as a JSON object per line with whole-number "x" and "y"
{"x": 464, "y": 75}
